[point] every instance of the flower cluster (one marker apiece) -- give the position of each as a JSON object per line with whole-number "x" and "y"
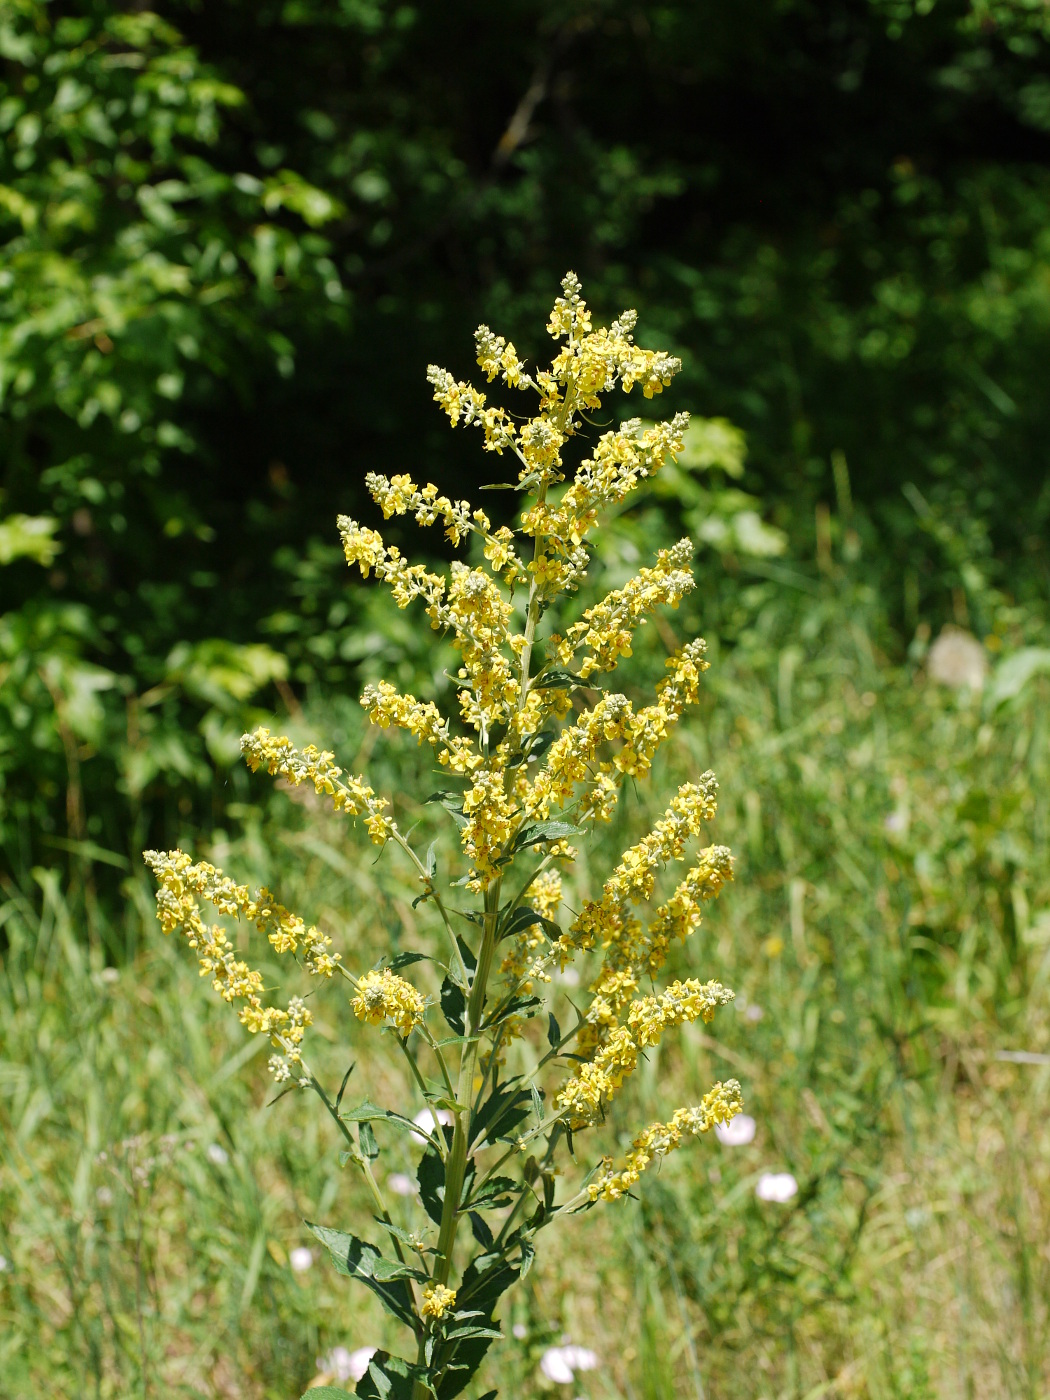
{"x": 399, "y": 495}
{"x": 180, "y": 884}
{"x": 438, "y": 1300}
{"x": 719, "y": 1105}
{"x": 587, "y": 1093}
{"x": 282, "y": 759}
{"x": 383, "y": 996}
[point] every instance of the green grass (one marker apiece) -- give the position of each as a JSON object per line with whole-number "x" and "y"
{"x": 892, "y": 963}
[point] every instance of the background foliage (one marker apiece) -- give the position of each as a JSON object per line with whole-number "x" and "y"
{"x": 233, "y": 236}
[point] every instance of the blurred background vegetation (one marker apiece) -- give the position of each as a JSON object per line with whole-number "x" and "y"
{"x": 233, "y": 236}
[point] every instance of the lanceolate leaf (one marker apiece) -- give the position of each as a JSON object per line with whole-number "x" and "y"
{"x": 355, "y": 1258}
{"x": 390, "y": 1378}
{"x": 452, "y": 803}
{"x": 502, "y": 1111}
{"x": 495, "y": 1192}
{"x": 556, "y": 679}
{"x": 551, "y": 830}
{"x": 453, "y": 1005}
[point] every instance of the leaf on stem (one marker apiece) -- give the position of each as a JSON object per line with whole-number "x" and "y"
{"x": 452, "y": 803}
{"x": 390, "y": 1378}
{"x": 453, "y": 1005}
{"x": 537, "y": 832}
{"x": 356, "y": 1258}
{"x": 501, "y": 1112}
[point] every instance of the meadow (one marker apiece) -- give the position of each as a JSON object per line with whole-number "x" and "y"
{"x": 888, "y": 937}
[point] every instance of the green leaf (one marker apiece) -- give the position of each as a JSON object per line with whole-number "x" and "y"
{"x": 480, "y": 1230}
{"x": 405, "y": 1236}
{"x": 534, "y": 747}
{"x": 453, "y": 1005}
{"x": 537, "y": 1103}
{"x": 431, "y": 1177}
{"x": 324, "y": 1392}
{"x": 452, "y": 803}
{"x": 355, "y": 1258}
{"x": 472, "y": 1330}
{"x": 367, "y": 1141}
{"x": 363, "y": 1113}
{"x": 501, "y": 1112}
{"x": 538, "y": 832}
{"x": 553, "y": 1031}
{"x": 390, "y": 1378}
{"x": 400, "y": 960}
{"x": 495, "y": 1192}
{"x": 512, "y": 1007}
{"x": 482, "y": 1287}
{"x": 556, "y": 679}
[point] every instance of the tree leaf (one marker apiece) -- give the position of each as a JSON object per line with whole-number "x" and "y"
{"x": 553, "y": 1031}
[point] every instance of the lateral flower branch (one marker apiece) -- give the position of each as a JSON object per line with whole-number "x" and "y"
{"x": 539, "y": 762}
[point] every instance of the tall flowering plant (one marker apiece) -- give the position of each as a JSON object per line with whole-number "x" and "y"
{"x": 535, "y": 761}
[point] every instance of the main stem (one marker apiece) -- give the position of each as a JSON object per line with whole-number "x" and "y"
{"x": 456, "y": 1164}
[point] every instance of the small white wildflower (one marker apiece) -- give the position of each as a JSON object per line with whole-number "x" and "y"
{"x": 753, "y": 1013}
{"x": 957, "y": 659}
{"x": 520, "y": 1331}
{"x": 217, "y": 1155}
{"x": 560, "y": 1364}
{"x": 400, "y": 1184}
{"x": 301, "y": 1259}
{"x": 104, "y": 1196}
{"x": 428, "y": 1119}
{"x": 896, "y": 822}
{"x": 738, "y": 1132}
{"x": 346, "y": 1365}
{"x": 776, "y": 1186}
{"x": 4, "y": 1265}
{"x": 279, "y": 1068}
{"x": 109, "y": 974}
{"x": 569, "y": 977}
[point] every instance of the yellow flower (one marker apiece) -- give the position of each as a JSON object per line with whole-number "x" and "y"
{"x": 383, "y": 996}
{"x": 179, "y": 880}
{"x": 719, "y": 1105}
{"x": 437, "y": 1301}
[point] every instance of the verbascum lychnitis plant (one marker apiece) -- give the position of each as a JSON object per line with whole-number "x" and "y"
{"x": 535, "y": 759}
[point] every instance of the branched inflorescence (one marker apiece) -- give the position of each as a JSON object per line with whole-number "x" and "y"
{"x": 540, "y": 757}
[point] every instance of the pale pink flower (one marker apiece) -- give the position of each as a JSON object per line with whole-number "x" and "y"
{"x": 776, "y": 1186}
{"x": 738, "y": 1132}
{"x": 560, "y": 1364}
{"x": 346, "y": 1365}
{"x": 428, "y": 1119}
